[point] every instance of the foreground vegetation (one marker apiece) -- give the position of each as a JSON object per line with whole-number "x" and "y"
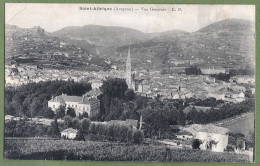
{"x": 106, "y": 151}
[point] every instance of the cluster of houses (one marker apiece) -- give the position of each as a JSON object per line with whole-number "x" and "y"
{"x": 16, "y": 75}
{"x": 182, "y": 87}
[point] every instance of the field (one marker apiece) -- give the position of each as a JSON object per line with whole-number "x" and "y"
{"x": 242, "y": 124}
{"x": 32, "y": 149}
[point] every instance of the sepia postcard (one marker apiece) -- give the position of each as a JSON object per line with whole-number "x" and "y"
{"x": 129, "y": 82}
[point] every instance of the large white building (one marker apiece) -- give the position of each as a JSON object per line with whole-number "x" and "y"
{"x": 81, "y": 104}
{"x": 211, "y": 136}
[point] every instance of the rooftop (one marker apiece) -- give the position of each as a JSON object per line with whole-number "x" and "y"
{"x": 209, "y": 128}
{"x": 70, "y": 130}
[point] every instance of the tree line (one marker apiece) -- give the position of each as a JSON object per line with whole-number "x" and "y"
{"x": 86, "y": 130}
{"x": 227, "y": 110}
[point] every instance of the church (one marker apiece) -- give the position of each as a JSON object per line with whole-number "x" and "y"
{"x": 129, "y": 76}
{"x": 131, "y": 81}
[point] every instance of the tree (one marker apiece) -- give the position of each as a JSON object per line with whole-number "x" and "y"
{"x": 193, "y": 115}
{"x": 138, "y": 136}
{"x": 49, "y": 113}
{"x": 114, "y": 88}
{"x": 196, "y": 144}
{"x": 71, "y": 112}
{"x": 140, "y": 105}
{"x": 181, "y": 118}
{"x": 193, "y": 70}
{"x": 116, "y": 109}
{"x": 55, "y": 129}
{"x": 76, "y": 124}
{"x": 129, "y": 112}
{"x": 85, "y": 125}
{"x": 9, "y": 109}
{"x": 223, "y": 77}
{"x": 130, "y": 135}
{"x": 60, "y": 112}
{"x": 80, "y": 136}
{"x": 251, "y": 138}
{"x": 84, "y": 115}
{"x": 129, "y": 94}
{"x": 92, "y": 128}
{"x": 35, "y": 106}
{"x": 68, "y": 122}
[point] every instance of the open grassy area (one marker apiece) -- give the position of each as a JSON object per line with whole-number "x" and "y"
{"x": 242, "y": 124}
{"x": 30, "y": 149}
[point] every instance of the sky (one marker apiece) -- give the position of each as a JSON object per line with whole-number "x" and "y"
{"x": 53, "y": 17}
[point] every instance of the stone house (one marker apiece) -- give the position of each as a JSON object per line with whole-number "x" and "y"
{"x": 69, "y": 133}
{"x": 212, "y": 137}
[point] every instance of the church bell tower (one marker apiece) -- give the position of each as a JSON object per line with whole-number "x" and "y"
{"x": 128, "y": 73}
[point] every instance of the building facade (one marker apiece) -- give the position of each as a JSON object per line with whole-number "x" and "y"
{"x": 81, "y": 104}
{"x": 212, "y": 137}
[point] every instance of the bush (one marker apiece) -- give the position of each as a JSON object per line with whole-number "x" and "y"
{"x": 196, "y": 144}
{"x": 71, "y": 112}
{"x": 138, "y": 136}
{"x": 80, "y": 136}
{"x": 193, "y": 70}
{"x": 230, "y": 148}
{"x": 115, "y": 133}
{"x": 222, "y": 77}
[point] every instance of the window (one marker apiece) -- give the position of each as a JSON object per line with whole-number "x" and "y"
{"x": 75, "y": 106}
{"x": 83, "y": 108}
{"x": 53, "y": 106}
{"x": 72, "y": 105}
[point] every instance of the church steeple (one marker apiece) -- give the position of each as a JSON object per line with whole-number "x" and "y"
{"x": 129, "y": 70}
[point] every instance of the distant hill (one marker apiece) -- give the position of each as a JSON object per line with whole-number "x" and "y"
{"x": 34, "y": 41}
{"x": 102, "y": 36}
{"x": 35, "y": 46}
{"x": 227, "y": 43}
{"x": 229, "y": 25}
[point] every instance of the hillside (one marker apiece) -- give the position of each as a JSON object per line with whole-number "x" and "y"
{"x": 34, "y": 41}
{"x": 228, "y": 43}
{"x": 105, "y": 38}
{"x": 228, "y": 25}
{"x": 33, "y": 46}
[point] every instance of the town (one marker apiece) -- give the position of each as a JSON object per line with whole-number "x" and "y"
{"x": 74, "y": 104}
{"x": 152, "y": 85}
